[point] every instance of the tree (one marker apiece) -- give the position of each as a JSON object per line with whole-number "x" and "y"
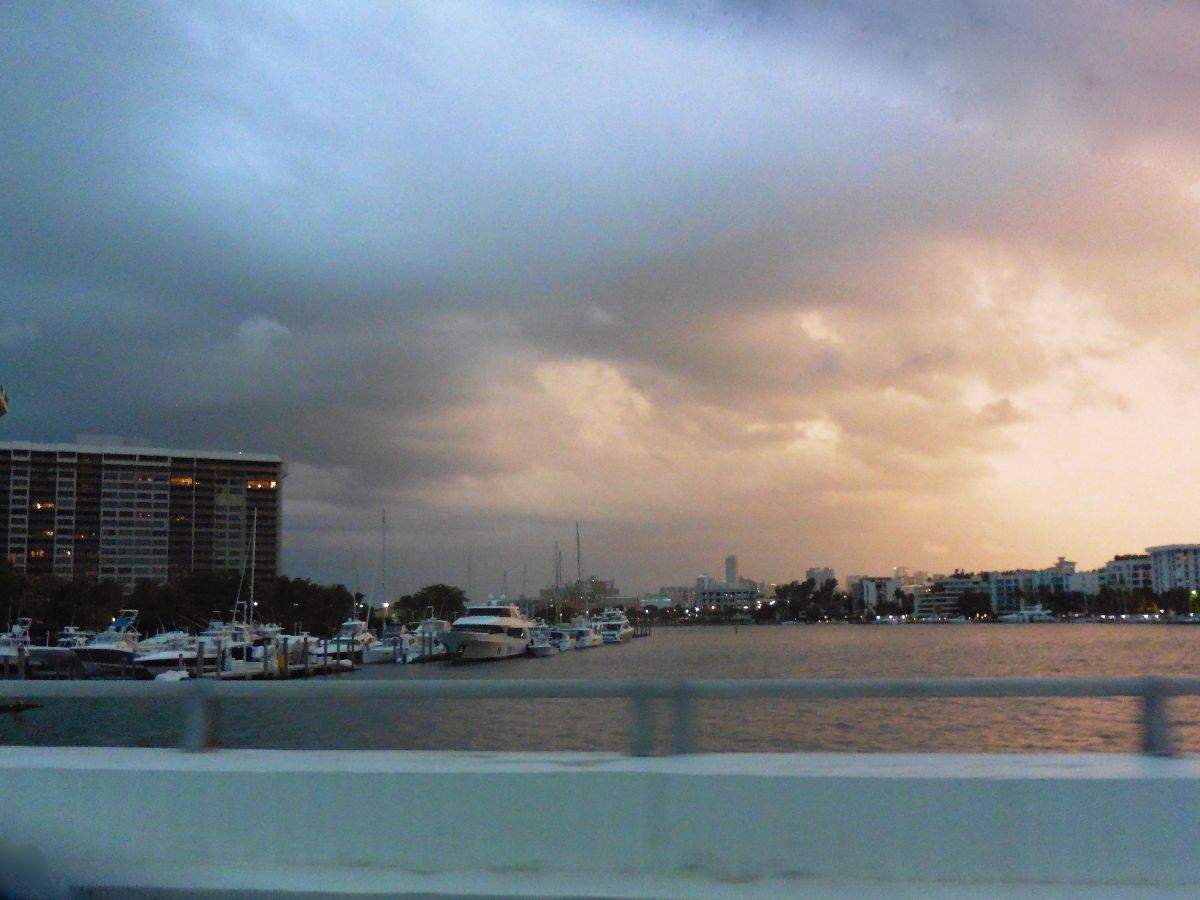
{"x": 447, "y": 601}
{"x": 12, "y": 589}
{"x": 975, "y": 604}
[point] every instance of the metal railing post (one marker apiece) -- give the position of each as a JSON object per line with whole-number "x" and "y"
{"x": 683, "y": 718}
{"x": 1156, "y": 726}
{"x": 204, "y": 715}
{"x": 641, "y": 737}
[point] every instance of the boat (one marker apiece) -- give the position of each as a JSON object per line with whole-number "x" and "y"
{"x": 562, "y": 638}
{"x": 165, "y": 651}
{"x": 540, "y": 643}
{"x": 583, "y": 634}
{"x": 614, "y": 627}
{"x": 71, "y": 637}
{"x": 114, "y": 650}
{"x": 394, "y": 644}
{"x": 1029, "y": 614}
{"x": 425, "y": 643}
{"x": 492, "y": 630}
{"x": 14, "y": 646}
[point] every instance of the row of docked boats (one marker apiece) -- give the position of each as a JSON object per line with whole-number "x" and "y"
{"x": 221, "y": 646}
{"x": 493, "y": 630}
{"x": 498, "y": 630}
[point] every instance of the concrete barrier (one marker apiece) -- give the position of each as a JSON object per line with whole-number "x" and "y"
{"x": 571, "y": 824}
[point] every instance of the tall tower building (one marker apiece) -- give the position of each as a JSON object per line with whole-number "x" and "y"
{"x": 731, "y": 572}
{"x": 138, "y": 513}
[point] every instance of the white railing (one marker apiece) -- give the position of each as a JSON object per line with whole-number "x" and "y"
{"x": 205, "y": 696}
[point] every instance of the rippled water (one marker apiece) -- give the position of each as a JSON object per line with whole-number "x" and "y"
{"x": 821, "y": 651}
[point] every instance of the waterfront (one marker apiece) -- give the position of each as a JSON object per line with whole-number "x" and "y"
{"x": 822, "y": 651}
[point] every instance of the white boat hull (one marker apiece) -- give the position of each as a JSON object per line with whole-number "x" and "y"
{"x": 471, "y": 645}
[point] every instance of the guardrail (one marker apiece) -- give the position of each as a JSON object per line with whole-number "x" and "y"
{"x": 205, "y": 696}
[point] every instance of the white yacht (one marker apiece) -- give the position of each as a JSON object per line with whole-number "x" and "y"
{"x": 492, "y": 630}
{"x": 114, "y": 649}
{"x": 614, "y": 627}
{"x": 1028, "y": 614}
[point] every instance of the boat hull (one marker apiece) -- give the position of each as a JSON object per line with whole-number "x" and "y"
{"x": 473, "y": 646}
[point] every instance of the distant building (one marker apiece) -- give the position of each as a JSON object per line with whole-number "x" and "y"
{"x": 869, "y": 591}
{"x": 820, "y": 575}
{"x": 728, "y": 600}
{"x": 3, "y": 401}
{"x": 1174, "y": 566}
{"x": 1128, "y": 572}
{"x": 137, "y": 513}
{"x": 1015, "y": 589}
{"x": 731, "y": 571}
{"x": 674, "y": 595}
{"x": 941, "y": 598}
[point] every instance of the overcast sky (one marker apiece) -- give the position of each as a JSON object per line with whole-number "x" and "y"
{"x": 848, "y": 284}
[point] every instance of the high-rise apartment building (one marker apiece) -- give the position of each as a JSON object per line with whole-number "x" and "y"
{"x": 138, "y": 513}
{"x": 731, "y": 571}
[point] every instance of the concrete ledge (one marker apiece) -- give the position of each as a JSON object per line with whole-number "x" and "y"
{"x": 573, "y": 825}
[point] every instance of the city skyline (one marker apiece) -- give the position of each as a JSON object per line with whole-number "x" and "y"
{"x": 852, "y": 286}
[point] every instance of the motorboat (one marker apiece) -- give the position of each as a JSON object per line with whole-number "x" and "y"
{"x": 561, "y": 637}
{"x": 354, "y": 641}
{"x": 614, "y": 627}
{"x": 114, "y": 650}
{"x": 492, "y": 630}
{"x": 165, "y": 651}
{"x": 540, "y": 643}
{"x": 394, "y": 644}
{"x": 583, "y": 634}
{"x": 71, "y": 637}
{"x": 426, "y": 643}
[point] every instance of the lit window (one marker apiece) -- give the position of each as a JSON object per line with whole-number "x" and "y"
{"x": 37, "y": 554}
{"x": 261, "y": 484}
{"x": 43, "y": 504}
{"x": 181, "y": 481}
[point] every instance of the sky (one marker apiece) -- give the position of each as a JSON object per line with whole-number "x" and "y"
{"x": 848, "y": 284}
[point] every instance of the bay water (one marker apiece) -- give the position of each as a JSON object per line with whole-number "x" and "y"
{"x": 804, "y": 651}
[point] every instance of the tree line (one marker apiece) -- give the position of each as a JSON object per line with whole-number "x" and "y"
{"x": 190, "y": 602}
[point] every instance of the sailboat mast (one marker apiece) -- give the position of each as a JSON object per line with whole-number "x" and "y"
{"x": 253, "y": 546}
{"x": 382, "y": 567}
{"x": 579, "y": 570}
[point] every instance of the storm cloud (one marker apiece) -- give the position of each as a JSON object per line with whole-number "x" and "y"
{"x": 853, "y": 284}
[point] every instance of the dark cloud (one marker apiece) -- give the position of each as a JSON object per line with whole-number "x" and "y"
{"x": 499, "y": 268}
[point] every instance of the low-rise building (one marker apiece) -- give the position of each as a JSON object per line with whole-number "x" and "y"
{"x": 1174, "y": 566}
{"x": 941, "y": 598}
{"x": 1128, "y": 572}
